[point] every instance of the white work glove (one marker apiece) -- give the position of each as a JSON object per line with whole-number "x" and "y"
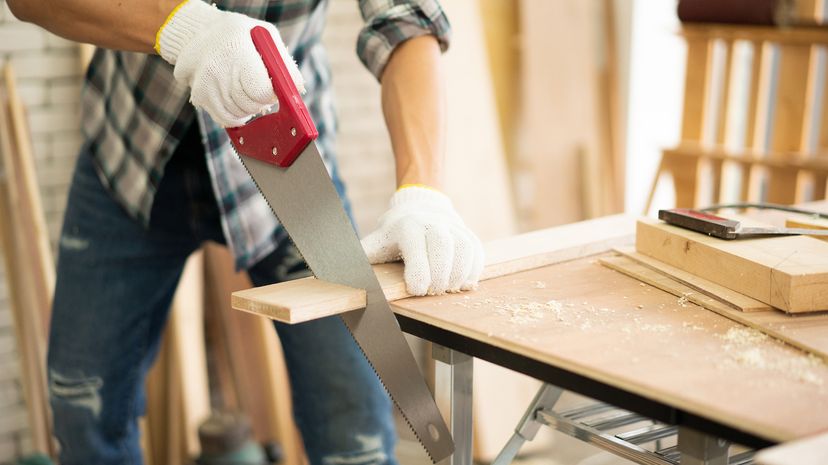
{"x": 440, "y": 253}
{"x": 214, "y": 55}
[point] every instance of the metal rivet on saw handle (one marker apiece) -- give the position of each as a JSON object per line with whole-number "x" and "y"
{"x": 241, "y": 140}
{"x": 274, "y": 151}
{"x": 293, "y": 132}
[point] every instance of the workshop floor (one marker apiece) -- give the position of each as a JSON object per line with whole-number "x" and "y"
{"x": 564, "y": 451}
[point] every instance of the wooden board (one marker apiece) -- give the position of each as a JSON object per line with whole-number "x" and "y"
{"x": 789, "y": 273}
{"x": 662, "y": 281}
{"x": 476, "y": 176}
{"x": 26, "y": 265}
{"x": 810, "y": 451}
{"x": 564, "y": 122}
{"x": 727, "y": 296}
{"x": 808, "y": 223}
{"x": 614, "y": 330}
{"x": 804, "y": 331}
{"x": 253, "y": 359}
{"x": 30, "y": 204}
{"x": 307, "y": 299}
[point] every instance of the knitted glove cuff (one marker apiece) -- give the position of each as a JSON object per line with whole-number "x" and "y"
{"x": 421, "y": 195}
{"x": 186, "y": 20}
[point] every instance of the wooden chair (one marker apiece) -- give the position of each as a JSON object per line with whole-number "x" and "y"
{"x": 767, "y": 144}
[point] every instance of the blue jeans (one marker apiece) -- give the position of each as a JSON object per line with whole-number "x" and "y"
{"x": 115, "y": 282}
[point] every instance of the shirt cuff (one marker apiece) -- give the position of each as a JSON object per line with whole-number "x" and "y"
{"x": 389, "y": 23}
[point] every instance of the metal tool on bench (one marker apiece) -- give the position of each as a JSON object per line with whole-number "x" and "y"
{"x": 723, "y": 228}
{"x": 281, "y": 156}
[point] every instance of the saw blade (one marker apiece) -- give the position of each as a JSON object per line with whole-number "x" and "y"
{"x": 305, "y": 202}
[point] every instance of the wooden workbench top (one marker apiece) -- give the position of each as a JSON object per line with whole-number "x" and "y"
{"x": 590, "y": 320}
{"x": 586, "y": 319}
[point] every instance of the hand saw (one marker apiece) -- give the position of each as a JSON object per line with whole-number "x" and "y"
{"x": 724, "y": 228}
{"x": 281, "y": 156}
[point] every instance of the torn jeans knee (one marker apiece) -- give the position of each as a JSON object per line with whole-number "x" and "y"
{"x": 371, "y": 452}
{"x": 77, "y": 391}
{"x": 70, "y": 240}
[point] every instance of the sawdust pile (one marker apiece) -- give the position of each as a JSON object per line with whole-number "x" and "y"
{"x": 748, "y": 347}
{"x": 524, "y": 311}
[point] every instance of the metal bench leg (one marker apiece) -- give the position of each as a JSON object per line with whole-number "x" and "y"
{"x": 461, "y": 375}
{"x": 700, "y": 449}
{"x": 528, "y": 426}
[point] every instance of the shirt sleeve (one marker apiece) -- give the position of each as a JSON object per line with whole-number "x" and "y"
{"x": 389, "y": 23}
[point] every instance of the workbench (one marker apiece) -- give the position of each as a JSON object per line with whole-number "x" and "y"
{"x": 580, "y": 326}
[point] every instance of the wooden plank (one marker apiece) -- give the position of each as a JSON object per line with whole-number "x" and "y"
{"x": 25, "y": 284}
{"x": 256, "y": 361}
{"x": 757, "y": 121}
{"x": 31, "y": 206}
{"x": 189, "y": 357}
{"x": 476, "y": 176}
{"x": 808, "y": 223}
{"x": 726, "y": 296}
{"x": 563, "y": 113}
{"x": 317, "y": 299}
{"x": 306, "y": 299}
{"x": 808, "y": 12}
{"x": 724, "y": 115}
{"x": 808, "y": 451}
{"x": 177, "y": 389}
{"x": 662, "y": 281}
{"x": 789, "y": 121}
{"x": 790, "y": 273}
{"x": 697, "y": 88}
{"x": 575, "y": 316}
{"x": 806, "y": 332}
{"x": 781, "y": 160}
{"x": 695, "y": 131}
{"x": 781, "y": 35}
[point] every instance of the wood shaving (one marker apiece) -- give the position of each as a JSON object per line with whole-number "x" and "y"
{"x": 538, "y": 285}
{"x": 523, "y": 311}
{"x": 742, "y": 335}
{"x": 655, "y": 328}
{"x": 750, "y": 348}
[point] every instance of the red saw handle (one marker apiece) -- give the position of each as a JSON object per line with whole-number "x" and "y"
{"x": 277, "y": 138}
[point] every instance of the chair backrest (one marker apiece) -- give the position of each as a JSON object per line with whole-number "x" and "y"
{"x": 754, "y": 123}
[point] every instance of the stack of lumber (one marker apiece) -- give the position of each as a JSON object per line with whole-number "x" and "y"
{"x": 777, "y": 285}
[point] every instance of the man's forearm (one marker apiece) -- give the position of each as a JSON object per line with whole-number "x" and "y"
{"x": 413, "y": 102}
{"x": 116, "y": 24}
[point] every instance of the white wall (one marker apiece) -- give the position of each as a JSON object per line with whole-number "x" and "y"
{"x": 657, "y": 60}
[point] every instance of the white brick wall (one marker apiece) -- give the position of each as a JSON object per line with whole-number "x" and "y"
{"x": 49, "y": 77}
{"x": 363, "y": 147}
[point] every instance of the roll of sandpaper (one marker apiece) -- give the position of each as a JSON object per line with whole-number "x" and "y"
{"x": 759, "y": 12}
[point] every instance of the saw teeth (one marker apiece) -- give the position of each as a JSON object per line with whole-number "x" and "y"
{"x": 376, "y": 373}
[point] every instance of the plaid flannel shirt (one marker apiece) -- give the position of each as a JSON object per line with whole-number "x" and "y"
{"x": 134, "y": 112}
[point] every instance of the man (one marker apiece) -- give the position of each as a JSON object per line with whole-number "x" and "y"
{"x": 156, "y": 177}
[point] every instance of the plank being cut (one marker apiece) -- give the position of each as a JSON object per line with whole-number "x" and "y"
{"x": 730, "y": 297}
{"x": 789, "y": 273}
{"x": 589, "y": 320}
{"x": 804, "y": 331}
{"x": 308, "y": 298}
